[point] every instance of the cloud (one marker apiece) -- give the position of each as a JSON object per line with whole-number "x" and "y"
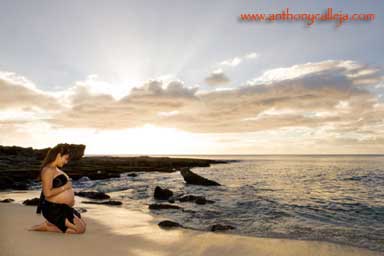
{"x": 325, "y": 99}
{"x": 155, "y": 88}
{"x": 314, "y": 95}
{"x": 144, "y": 104}
{"x": 251, "y": 55}
{"x": 233, "y": 62}
{"x": 17, "y": 92}
{"x": 217, "y": 77}
{"x": 358, "y": 73}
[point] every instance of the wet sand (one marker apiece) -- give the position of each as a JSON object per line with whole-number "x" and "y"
{"x": 115, "y": 230}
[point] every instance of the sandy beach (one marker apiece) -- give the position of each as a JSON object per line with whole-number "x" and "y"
{"x": 118, "y": 231}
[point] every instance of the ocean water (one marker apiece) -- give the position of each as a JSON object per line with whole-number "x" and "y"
{"x": 330, "y": 198}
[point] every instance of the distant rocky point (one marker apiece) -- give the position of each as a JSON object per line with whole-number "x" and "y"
{"x": 19, "y": 166}
{"x": 77, "y": 152}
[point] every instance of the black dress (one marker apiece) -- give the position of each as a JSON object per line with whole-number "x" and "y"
{"x": 56, "y": 213}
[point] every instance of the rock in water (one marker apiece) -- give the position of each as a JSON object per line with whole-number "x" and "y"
{"x": 33, "y": 201}
{"x": 93, "y": 194}
{"x": 81, "y": 209}
{"x": 202, "y": 200}
{"x": 84, "y": 179}
{"x": 193, "y": 178}
{"x": 110, "y": 202}
{"x": 163, "y": 206}
{"x": 162, "y": 194}
{"x": 220, "y": 227}
{"x": 168, "y": 224}
{"x": 196, "y": 199}
{"x": 7, "y": 200}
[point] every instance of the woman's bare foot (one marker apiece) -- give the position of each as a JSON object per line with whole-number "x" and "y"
{"x": 38, "y": 227}
{"x": 45, "y": 226}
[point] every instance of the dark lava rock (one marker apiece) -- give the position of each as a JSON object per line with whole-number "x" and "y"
{"x": 110, "y": 202}
{"x": 20, "y": 185}
{"x": 33, "y": 201}
{"x": 202, "y": 200}
{"x": 9, "y": 183}
{"x": 162, "y": 194}
{"x": 7, "y": 200}
{"x": 167, "y": 224}
{"x": 189, "y": 211}
{"x": 196, "y": 199}
{"x": 188, "y": 198}
{"x": 163, "y": 206}
{"x": 220, "y": 227}
{"x": 6, "y": 182}
{"x": 93, "y": 195}
{"x": 132, "y": 175}
{"x": 171, "y": 201}
{"x": 77, "y": 151}
{"x": 192, "y": 178}
{"x": 81, "y": 209}
{"x": 84, "y": 179}
{"x": 20, "y": 167}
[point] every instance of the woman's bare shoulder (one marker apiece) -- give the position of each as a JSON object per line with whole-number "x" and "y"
{"x": 47, "y": 169}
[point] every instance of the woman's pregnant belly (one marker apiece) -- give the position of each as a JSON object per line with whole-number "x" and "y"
{"x": 66, "y": 197}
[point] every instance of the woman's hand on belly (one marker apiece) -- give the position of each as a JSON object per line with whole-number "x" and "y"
{"x": 65, "y": 197}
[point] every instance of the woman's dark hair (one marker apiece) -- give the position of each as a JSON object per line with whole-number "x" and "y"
{"x": 62, "y": 148}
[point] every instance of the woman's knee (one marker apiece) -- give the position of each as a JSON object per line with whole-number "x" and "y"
{"x": 83, "y": 221}
{"x": 77, "y": 225}
{"x": 80, "y": 223}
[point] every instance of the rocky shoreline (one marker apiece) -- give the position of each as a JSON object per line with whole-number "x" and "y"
{"x": 165, "y": 199}
{"x": 19, "y": 167}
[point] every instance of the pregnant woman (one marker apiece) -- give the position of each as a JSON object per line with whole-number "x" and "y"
{"x": 57, "y": 197}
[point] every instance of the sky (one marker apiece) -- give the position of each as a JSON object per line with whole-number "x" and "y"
{"x": 189, "y": 77}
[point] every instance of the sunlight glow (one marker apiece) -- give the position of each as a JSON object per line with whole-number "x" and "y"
{"x": 147, "y": 139}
